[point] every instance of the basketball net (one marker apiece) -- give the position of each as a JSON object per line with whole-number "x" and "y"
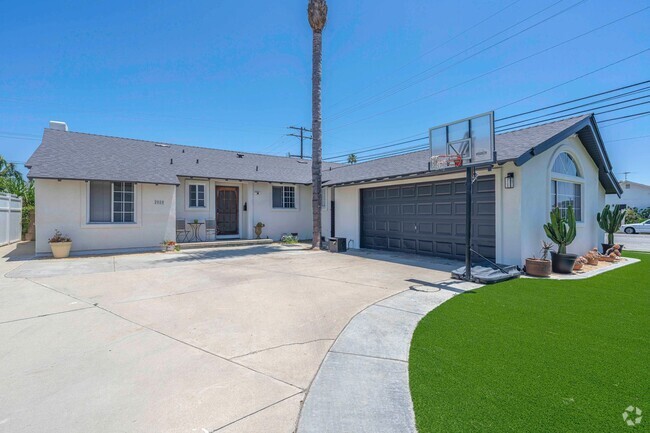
{"x": 439, "y": 162}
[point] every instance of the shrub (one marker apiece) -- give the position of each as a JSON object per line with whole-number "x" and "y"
{"x": 289, "y": 239}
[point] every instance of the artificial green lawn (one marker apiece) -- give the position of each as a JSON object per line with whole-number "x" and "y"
{"x": 536, "y": 356}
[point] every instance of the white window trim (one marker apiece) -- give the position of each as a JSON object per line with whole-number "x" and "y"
{"x": 136, "y": 209}
{"x": 554, "y": 176}
{"x": 206, "y": 197}
{"x": 296, "y": 190}
{"x": 113, "y": 204}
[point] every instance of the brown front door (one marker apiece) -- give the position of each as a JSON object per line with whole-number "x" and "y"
{"x": 227, "y": 210}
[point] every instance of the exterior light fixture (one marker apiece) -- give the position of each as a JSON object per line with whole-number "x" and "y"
{"x": 510, "y": 180}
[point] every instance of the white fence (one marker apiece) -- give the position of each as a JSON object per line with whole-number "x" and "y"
{"x": 11, "y": 211}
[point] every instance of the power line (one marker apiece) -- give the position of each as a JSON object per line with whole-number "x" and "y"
{"x": 623, "y": 121}
{"x": 457, "y": 35}
{"x": 395, "y": 143}
{"x": 525, "y": 125}
{"x": 18, "y": 138}
{"x": 628, "y": 138}
{"x": 511, "y": 64}
{"x": 420, "y": 146}
{"x": 645, "y": 113}
{"x": 405, "y": 85}
{"x": 377, "y": 148}
{"x": 302, "y": 138}
{"x": 580, "y": 99}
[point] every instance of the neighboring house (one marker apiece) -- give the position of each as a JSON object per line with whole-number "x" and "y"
{"x": 114, "y": 193}
{"x": 634, "y": 195}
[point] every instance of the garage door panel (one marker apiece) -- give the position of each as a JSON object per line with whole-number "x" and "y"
{"x": 393, "y": 192}
{"x": 429, "y": 218}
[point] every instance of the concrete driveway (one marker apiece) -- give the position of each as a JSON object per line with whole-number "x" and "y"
{"x": 224, "y": 340}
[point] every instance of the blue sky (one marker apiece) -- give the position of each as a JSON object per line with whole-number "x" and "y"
{"x": 234, "y": 75}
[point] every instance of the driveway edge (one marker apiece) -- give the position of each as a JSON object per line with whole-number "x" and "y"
{"x": 362, "y": 384}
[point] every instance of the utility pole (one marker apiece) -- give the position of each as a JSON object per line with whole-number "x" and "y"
{"x": 302, "y": 137}
{"x": 625, "y": 173}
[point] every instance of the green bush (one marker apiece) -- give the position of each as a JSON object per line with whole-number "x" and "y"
{"x": 25, "y": 218}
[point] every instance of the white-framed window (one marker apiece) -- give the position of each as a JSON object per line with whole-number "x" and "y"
{"x": 566, "y": 185}
{"x": 196, "y": 192}
{"x": 284, "y": 197}
{"x": 564, "y": 194}
{"x": 111, "y": 202}
{"x": 324, "y": 202}
{"x": 566, "y": 165}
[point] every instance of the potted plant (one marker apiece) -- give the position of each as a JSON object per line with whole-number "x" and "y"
{"x": 258, "y": 229}
{"x": 562, "y": 231}
{"x": 540, "y": 267}
{"x": 60, "y": 245}
{"x": 168, "y": 245}
{"x": 610, "y": 221}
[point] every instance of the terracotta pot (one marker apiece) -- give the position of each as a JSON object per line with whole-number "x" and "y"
{"x": 60, "y": 250}
{"x": 538, "y": 267}
{"x": 258, "y": 232}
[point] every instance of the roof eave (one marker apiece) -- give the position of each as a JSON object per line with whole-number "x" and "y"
{"x": 604, "y": 164}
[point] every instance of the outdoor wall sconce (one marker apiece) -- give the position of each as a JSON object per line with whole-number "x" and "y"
{"x": 510, "y": 180}
{"x": 245, "y": 206}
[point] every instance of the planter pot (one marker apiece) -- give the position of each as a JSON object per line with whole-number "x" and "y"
{"x": 538, "y": 267}
{"x": 563, "y": 263}
{"x": 578, "y": 266}
{"x": 258, "y": 232}
{"x": 60, "y": 250}
{"x": 608, "y": 246}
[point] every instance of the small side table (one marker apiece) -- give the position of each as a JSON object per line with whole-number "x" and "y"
{"x": 196, "y": 227}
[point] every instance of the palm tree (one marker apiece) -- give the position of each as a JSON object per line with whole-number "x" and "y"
{"x": 352, "y": 158}
{"x": 317, "y": 15}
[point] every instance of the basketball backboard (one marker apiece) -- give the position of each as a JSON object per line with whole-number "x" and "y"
{"x": 467, "y": 142}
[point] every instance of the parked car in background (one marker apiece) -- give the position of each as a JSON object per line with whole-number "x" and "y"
{"x": 643, "y": 227}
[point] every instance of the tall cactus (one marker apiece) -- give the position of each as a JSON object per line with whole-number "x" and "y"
{"x": 561, "y": 230}
{"x": 610, "y": 221}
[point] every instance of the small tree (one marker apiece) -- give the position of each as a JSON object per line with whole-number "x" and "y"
{"x": 610, "y": 221}
{"x": 561, "y": 230}
{"x": 352, "y": 158}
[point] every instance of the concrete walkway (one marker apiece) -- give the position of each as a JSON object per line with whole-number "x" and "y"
{"x": 362, "y": 385}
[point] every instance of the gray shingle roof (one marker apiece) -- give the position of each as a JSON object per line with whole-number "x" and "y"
{"x": 75, "y": 155}
{"x": 509, "y": 147}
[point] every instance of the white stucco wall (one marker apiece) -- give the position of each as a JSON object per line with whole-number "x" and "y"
{"x": 64, "y": 206}
{"x": 634, "y": 195}
{"x": 526, "y": 208}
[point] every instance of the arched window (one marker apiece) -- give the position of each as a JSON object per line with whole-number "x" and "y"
{"x": 564, "y": 164}
{"x": 565, "y": 191}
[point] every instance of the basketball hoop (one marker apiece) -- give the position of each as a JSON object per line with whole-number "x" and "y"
{"x": 440, "y": 162}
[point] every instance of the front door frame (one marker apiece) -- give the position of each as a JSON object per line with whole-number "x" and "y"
{"x": 239, "y": 209}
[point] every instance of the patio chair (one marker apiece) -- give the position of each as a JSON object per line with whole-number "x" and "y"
{"x": 181, "y": 230}
{"x": 211, "y": 228}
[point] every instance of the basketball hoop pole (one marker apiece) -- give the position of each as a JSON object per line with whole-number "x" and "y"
{"x": 468, "y": 223}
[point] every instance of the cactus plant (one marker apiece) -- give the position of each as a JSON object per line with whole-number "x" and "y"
{"x": 561, "y": 230}
{"x": 610, "y": 221}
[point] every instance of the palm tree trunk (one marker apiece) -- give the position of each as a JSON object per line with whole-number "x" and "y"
{"x": 317, "y": 135}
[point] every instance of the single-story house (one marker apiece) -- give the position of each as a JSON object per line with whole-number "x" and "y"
{"x": 110, "y": 193}
{"x": 635, "y": 194}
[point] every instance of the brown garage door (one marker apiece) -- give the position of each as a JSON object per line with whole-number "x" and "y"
{"x": 428, "y": 218}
